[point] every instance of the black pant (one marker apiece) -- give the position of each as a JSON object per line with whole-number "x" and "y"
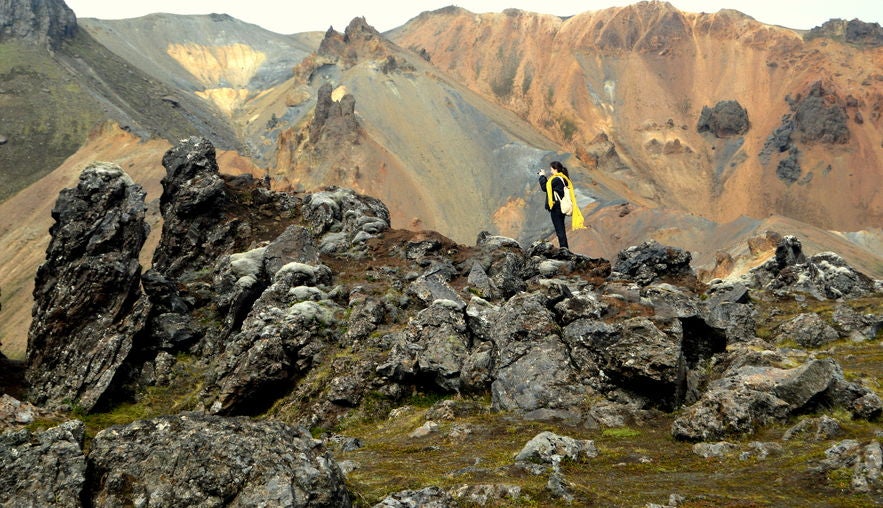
{"x": 558, "y": 222}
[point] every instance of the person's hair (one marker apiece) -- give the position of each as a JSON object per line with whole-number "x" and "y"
{"x": 557, "y": 166}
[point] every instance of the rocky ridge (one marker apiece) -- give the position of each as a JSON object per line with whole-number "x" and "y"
{"x": 305, "y": 308}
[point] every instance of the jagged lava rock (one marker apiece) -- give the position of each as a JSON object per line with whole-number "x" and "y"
{"x": 201, "y": 460}
{"x": 86, "y": 308}
{"x": 192, "y": 204}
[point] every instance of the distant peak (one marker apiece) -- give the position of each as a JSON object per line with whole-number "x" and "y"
{"x": 360, "y": 29}
{"x": 854, "y": 31}
{"x": 38, "y": 21}
{"x": 357, "y": 40}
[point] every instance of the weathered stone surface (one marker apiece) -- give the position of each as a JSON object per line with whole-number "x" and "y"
{"x": 344, "y": 220}
{"x": 865, "y": 461}
{"x": 729, "y": 308}
{"x": 43, "y": 469}
{"x": 788, "y": 169}
{"x": 822, "y": 428}
{"x": 86, "y": 296}
{"x": 548, "y": 447}
{"x": 718, "y": 449}
{"x": 486, "y": 495}
{"x": 820, "y": 116}
{"x": 334, "y": 120}
{"x": 751, "y": 396}
{"x": 288, "y": 325}
{"x": 531, "y": 367}
{"x": 434, "y": 348}
{"x": 650, "y": 260}
{"x": 433, "y": 288}
{"x": 725, "y": 119}
{"x": 808, "y": 330}
{"x": 429, "y": 497}
{"x": 854, "y": 31}
{"x": 644, "y": 359}
{"x": 200, "y": 460}
{"x": 724, "y": 412}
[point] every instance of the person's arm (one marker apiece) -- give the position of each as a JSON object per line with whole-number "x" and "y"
{"x": 543, "y": 181}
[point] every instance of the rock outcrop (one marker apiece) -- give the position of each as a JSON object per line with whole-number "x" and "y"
{"x": 854, "y": 31}
{"x": 87, "y": 311}
{"x": 46, "y": 22}
{"x": 725, "y": 119}
{"x": 820, "y": 116}
{"x": 824, "y": 275}
{"x": 651, "y": 260}
{"x": 334, "y": 120}
{"x": 194, "y": 459}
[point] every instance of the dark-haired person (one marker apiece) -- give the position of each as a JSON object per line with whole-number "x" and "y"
{"x": 554, "y": 187}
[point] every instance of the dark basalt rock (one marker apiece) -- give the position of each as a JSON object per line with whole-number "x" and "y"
{"x": 87, "y": 308}
{"x": 201, "y": 460}
{"x": 334, "y": 120}
{"x": 748, "y": 397}
{"x": 725, "y": 119}
{"x": 193, "y": 201}
{"x": 649, "y": 261}
{"x": 821, "y": 116}
{"x": 788, "y": 170}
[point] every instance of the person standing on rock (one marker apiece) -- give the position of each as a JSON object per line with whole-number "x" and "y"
{"x": 555, "y": 187}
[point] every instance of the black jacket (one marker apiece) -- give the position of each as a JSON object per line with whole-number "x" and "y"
{"x": 557, "y": 190}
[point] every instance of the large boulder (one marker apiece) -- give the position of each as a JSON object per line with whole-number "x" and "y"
{"x": 748, "y": 397}
{"x": 725, "y": 119}
{"x": 344, "y": 221}
{"x": 649, "y": 261}
{"x": 820, "y": 116}
{"x": 532, "y": 367}
{"x": 865, "y": 461}
{"x": 808, "y": 330}
{"x": 87, "y": 299}
{"x": 825, "y": 275}
{"x": 548, "y": 447}
{"x": 202, "y": 460}
{"x": 43, "y": 469}
{"x": 646, "y": 360}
